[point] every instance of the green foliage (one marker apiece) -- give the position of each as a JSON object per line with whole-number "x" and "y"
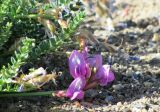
{"x": 5, "y": 34}
{"x": 9, "y": 9}
{"x": 64, "y": 1}
{"x": 5, "y": 29}
{"x": 4, "y": 8}
{"x": 20, "y": 58}
{"x": 51, "y": 44}
{"x": 21, "y": 18}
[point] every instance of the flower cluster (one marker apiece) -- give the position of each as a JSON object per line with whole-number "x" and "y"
{"x": 87, "y": 72}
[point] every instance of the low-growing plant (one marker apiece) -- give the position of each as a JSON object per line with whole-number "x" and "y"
{"x": 47, "y": 26}
{"x": 20, "y": 58}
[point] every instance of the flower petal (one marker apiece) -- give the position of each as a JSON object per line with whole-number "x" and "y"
{"x": 60, "y": 93}
{"x": 95, "y": 61}
{"x": 77, "y": 64}
{"x": 78, "y": 95}
{"x": 104, "y": 75}
{"x": 85, "y": 52}
{"x": 88, "y": 71}
{"x": 76, "y": 86}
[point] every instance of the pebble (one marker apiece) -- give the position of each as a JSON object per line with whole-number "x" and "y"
{"x": 102, "y": 95}
{"x": 109, "y": 99}
{"x": 137, "y": 107}
{"x": 144, "y": 110}
{"x": 129, "y": 71}
{"x": 119, "y": 104}
{"x": 127, "y": 110}
{"x": 91, "y": 93}
{"x": 117, "y": 87}
{"x": 147, "y": 84}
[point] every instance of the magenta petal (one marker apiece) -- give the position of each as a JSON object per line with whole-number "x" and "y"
{"x": 88, "y": 71}
{"x": 76, "y": 86}
{"x": 104, "y": 75}
{"x": 85, "y": 52}
{"x": 77, "y": 64}
{"x": 95, "y": 61}
{"x": 78, "y": 95}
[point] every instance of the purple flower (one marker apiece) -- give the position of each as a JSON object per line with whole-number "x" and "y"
{"x": 85, "y": 52}
{"x": 80, "y": 66}
{"x": 95, "y": 61}
{"x": 75, "y": 90}
{"x": 104, "y": 75}
{"x": 77, "y": 65}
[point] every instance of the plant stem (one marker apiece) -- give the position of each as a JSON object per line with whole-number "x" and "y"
{"x": 33, "y": 16}
{"x": 24, "y": 94}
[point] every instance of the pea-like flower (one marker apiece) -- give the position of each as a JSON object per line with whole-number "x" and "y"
{"x": 77, "y": 65}
{"x": 75, "y": 90}
{"x": 87, "y": 72}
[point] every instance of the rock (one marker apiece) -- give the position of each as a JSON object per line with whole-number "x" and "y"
{"x": 127, "y": 110}
{"x": 137, "y": 107}
{"x": 144, "y": 110}
{"x": 150, "y": 110}
{"x": 109, "y": 99}
{"x": 119, "y": 104}
{"x": 121, "y": 26}
{"x": 100, "y": 34}
{"x": 150, "y": 57}
{"x": 148, "y": 84}
{"x": 91, "y": 93}
{"x": 142, "y": 23}
{"x": 129, "y": 71}
{"x": 116, "y": 108}
{"x": 102, "y": 95}
{"x": 112, "y": 39}
{"x": 120, "y": 96}
{"x": 117, "y": 87}
{"x": 136, "y": 76}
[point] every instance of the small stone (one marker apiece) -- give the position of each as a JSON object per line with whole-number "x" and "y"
{"x": 117, "y": 109}
{"x": 127, "y": 110}
{"x": 86, "y": 104}
{"x": 122, "y": 107}
{"x": 136, "y": 107}
{"x": 102, "y": 94}
{"x": 150, "y": 110}
{"x": 120, "y": 96}
{"x": 119, "y": 104}
{"x": 77, "y": 104}
{"x": 147, "y": 84}
{"x": 144, "y": 110}
{"x": 91, "y": 93}
{"x": 129, "y": 71}
{"x": 109, "y": 99}
{"x": 125, "y": 103}
{"x": 117, "y": 87}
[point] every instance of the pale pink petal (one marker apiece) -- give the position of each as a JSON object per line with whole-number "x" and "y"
{"x": 104, "y": 75}
{"x": 85, "y": 52}
{"x": 95, "y": 61}
{"x": 78, "y": 95}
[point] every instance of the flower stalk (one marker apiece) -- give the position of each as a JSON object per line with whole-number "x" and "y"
{"x": 25, "y": 94}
